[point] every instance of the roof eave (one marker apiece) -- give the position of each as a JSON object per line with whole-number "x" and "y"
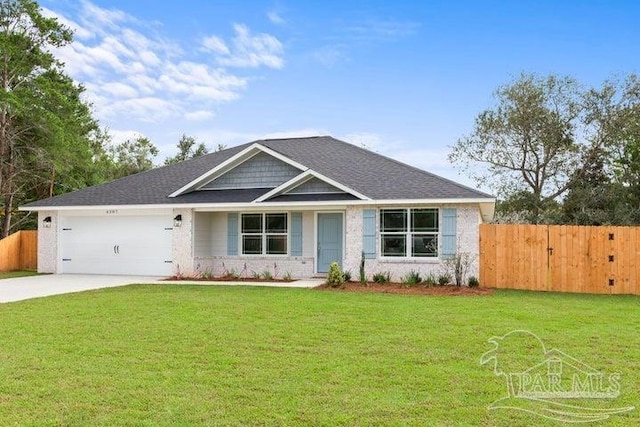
{"x": 487, "y": 205}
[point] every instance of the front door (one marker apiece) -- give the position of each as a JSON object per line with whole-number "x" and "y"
{"x": 329, "y": 240}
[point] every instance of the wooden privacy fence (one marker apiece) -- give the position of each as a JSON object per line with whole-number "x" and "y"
{"x": 19, "y": 251}
{"x": 560, "y": 258}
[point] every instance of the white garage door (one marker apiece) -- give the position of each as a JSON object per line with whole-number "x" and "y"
{"x": 137, "y": 245}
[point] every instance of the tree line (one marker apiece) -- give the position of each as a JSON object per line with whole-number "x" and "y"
{"x": 50, "y": 143}
{"x": 556, "y": 151}
{"x": 552, "y": 150}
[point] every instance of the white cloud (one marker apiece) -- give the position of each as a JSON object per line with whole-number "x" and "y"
{"x": 79, "y": 32}
{"x": 119, "y": 90}
{"x": 120, "y": 136}
{"x": 275, "y": 18}
{"x": 329, "y": 55}
{"x": 252, "y": 51}
{"x": 149, "y": 109}
{"x": 215, "y": 44}
{"x": 198, "y": 116}
{"x": 102, "y": 20}
{"x": 430, "y": 159}
{"x": 201, "y": 82}
{"x": 296, "y": 133}
{"x": 370, "y": 141}
{"x": 374, "y": 30}
{"x": 133, "y": 73}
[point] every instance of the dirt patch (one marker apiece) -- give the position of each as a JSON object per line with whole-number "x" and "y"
{"x": 399, "y": 288}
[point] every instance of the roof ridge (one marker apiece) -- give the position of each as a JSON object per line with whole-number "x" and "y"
{"x": 290, "y": 138}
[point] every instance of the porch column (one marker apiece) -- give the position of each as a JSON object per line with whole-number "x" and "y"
{"x": 182, "y": 250}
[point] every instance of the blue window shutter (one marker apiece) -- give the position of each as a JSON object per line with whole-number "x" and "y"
{"x": 448, "y": 233}
{"x": 296, "y": 234}
{"x": 232, "y": 233}
{"x": 369, "y": 233}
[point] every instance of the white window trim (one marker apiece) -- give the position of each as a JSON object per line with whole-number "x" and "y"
{"x": 264, "y": 235}
{"x": 408, "y": 235}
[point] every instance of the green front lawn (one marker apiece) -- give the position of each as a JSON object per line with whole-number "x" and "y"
{"x": 18, "y": 273}
{"x": 208, "y": 355}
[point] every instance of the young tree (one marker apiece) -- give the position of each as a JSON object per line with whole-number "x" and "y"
{"x": 188, "y": 148}
{"x": 606, "y": 188}
{"x": 44, "y": 126}
{"x": 526, "y": 143}
{"x": 133, "y": 156}
{"x": 613, "y": 118}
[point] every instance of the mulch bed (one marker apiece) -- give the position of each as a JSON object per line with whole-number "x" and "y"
{"x": 370, "y": 287}
{"x": 399, "y": 288}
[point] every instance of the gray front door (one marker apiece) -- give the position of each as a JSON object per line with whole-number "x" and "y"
{"x": 329, "y": 240}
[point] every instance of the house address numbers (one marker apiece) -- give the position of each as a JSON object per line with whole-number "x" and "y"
{"x": 112, "y": 211}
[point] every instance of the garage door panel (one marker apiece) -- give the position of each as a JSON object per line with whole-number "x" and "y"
{"x": 138, "y": 245}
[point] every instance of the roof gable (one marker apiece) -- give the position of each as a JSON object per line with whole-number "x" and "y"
{"x": 303, "y": 179}
{"x": 314, "y": 186}
{"x": 231, "y": 163}
{"x": 260, "y": 171}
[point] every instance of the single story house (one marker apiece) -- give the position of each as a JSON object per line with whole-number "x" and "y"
{"x": 281, "y": 205}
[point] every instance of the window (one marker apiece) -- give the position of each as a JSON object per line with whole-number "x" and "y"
{"x": 409, "y": 232}
{"x": 264, "y": 234}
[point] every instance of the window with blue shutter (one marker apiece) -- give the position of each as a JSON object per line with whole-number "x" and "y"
{"x": 369, "y": 233}
{"x": 448, "y": 232}
{"x": 232, "y": 234}
{"x": 296, "y": 234}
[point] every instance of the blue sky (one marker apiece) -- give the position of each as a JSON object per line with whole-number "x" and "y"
{"x": 404, "y": 78}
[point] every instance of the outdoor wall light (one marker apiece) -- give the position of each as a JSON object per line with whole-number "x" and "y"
{"x": 177, "y": 220}
{"x": 46, "y": 223}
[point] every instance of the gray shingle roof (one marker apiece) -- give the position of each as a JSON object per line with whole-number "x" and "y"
{"x": 377, "y": 177}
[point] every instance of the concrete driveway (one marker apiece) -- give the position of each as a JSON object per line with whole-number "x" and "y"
{"x": 21, "y": 288}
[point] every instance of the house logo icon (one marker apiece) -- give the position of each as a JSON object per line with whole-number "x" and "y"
{"x": 550, "y": 383}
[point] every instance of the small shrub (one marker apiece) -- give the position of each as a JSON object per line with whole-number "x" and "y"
{"x": 382, "y": 277}
{"x": 233, "y": 274}
{"x": 412, "y": 278}
{"x": 444, "y": 279}
{"x": 346, "y": 275}
{"x": 473, "y": 282}
{"x": 458, "y": 266}
{"x": 335, "y": 277}
{"x": 430, "y": 280}
{"x": 363, "y": 274}
{"x": 255, "y": 275}
{"x": 207, "y": 274}
{"x": 287, "y": 276}
{"x": 266, "y": 275}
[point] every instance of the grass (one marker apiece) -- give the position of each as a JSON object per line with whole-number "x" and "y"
{"x": 207, "y": 355}
{"x": 19, "y": 273}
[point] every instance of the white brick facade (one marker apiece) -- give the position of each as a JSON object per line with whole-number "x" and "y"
{"x": 208, "y": 233}
{"x": 467, "y": 220}
{"x": 297, "y": 267}
{"x": 47, "y": 243}
{"x": 188, "y": 264}
{"x": 183, "y": 264}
